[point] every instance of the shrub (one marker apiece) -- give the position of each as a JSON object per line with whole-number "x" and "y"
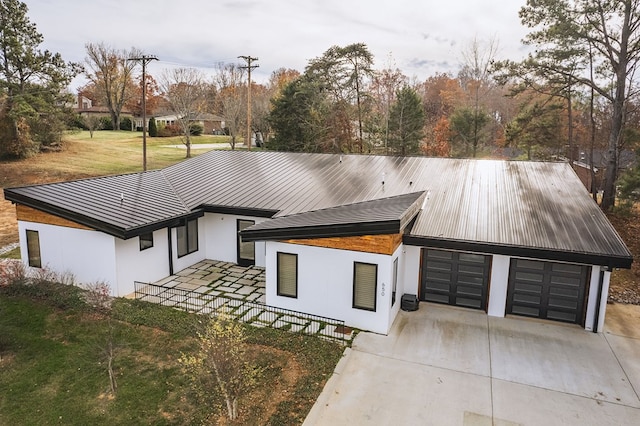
{"x": 196, "y": 129}
{"x": 105, "y": 123}
{"x": 153, "y": 127}
{"x": 98, "y": 295}
{"x": 169, "y": 131}
{"x": 126, "y": 124}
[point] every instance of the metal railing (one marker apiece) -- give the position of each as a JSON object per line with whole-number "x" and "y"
{"x": 253, "y": 313}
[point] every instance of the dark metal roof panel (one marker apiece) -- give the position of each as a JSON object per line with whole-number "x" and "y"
{"x": 388, "y": 215}
{"x": 525, "y": 204}
{"x": 120, "y": 202}
{"x": 291, "y": 182}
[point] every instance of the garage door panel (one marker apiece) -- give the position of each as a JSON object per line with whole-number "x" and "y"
{"x": 455, "y": 278}
{"x": 526, "y": 311}
{"x": 468, "y": 303}
{"x": 561, "y": 316}
{"x": 547, "y": 290}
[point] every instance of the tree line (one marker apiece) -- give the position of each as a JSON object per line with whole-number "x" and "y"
{"x": 574, "y": 95}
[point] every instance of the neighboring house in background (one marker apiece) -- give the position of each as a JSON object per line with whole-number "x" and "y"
{"x": 627, "y": 160}
{"x": 209, "y": 122}
{"x": 341, "y": 236}
{"x": 84, "y": 107}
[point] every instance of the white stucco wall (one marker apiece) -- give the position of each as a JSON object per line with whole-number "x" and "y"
{"x": 222, "y": 241}
{"x": 89, "y": 255}
{"x": 325, "y": 284}
{"x": 148, "y": 265}
{"x": 411, "y": 270}
{"x": 593, "y": 298}
{"x": 498, "y": 285}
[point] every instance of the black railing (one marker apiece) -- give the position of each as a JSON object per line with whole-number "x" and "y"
{"x": 256, "y": 314}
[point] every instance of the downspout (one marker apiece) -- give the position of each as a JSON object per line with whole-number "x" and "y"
{"x": 170, "y": 251}
{"x": 596, "y": 317}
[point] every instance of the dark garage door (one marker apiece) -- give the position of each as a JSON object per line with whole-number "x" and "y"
{"x": 547, "y": 290}
{"x": 455, "y": 278}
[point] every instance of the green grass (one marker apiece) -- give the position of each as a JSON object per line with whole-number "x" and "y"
{"x": 53, "y": 370}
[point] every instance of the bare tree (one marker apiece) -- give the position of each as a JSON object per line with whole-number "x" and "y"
{"x": 231, "y": 101}
{"x": 112, "y": 74}
{"x": 185, "y": 92}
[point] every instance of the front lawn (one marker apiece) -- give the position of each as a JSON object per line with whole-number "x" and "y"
{"x": 53, "y": 364}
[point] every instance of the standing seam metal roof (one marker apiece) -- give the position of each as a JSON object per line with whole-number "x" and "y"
{"x": 488, "y": 202}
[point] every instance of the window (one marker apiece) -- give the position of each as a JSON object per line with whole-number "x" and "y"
{"x": 365, "y": 278}
{"x": 33, "y": 249}
{"x": 146, "y": 241}
{"x": 287, "y": 274}
{"x": 394, "y": 285}
{"x": 187, "y": 237}
{"x": 246, "y": 250}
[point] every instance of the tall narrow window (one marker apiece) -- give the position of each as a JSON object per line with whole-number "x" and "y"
{"x": 187, "y": 236}
{"x": 365, "y": 278}
{"x": 33, "y": 249}
{"x": 287, "y": 274}
{"x": 146, "y": 241}
{"x": 246, "y": 249}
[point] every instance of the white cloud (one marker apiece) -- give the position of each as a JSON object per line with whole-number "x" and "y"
{"x": 423, "y": 37}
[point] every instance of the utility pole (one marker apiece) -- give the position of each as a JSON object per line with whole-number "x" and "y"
{"x": 144, "y": 59}
{"x": 248, "y": 67}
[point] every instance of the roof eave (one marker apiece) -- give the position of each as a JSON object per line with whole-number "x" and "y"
{"x": 239, "y": 211}
{"x": 107, "y": 228}
{"x": 323, "y": 231}
{"x": 610, "y": 261}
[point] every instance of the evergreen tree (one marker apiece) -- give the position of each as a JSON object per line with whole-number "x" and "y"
{"x": 31, "y": 86}
{"x": 153, "y": 128}
{"x": 406, "y": 123}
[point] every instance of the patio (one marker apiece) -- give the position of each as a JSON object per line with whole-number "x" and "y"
{"x": 211, "y": 287}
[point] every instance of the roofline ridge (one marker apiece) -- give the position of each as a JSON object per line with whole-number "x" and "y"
{"x": 173, "y": 188}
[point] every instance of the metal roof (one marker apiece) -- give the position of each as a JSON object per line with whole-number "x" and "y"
{"x": 533, "y": 208}
{"x": 382, "y": 216}
{"x": 123, "y": 205}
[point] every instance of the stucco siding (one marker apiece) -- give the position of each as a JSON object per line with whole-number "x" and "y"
{"x": 325, "y": 284}
{"x": 149, "y": 265}
{"x": 222, "y": 237}
{"x": 89, "y": 255}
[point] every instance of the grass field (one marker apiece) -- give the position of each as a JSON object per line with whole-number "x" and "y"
{"x": 53, "y": 364}
{"x": 107, "y": 153}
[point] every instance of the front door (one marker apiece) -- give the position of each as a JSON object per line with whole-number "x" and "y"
{"x": 246, "y": 250}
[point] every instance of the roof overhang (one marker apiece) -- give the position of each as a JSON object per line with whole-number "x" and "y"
{"x": 238, "y": 211}
{"x": 89, "y": 222}
{"x": 326, "y": 231}
{"x": 611, "y": 261}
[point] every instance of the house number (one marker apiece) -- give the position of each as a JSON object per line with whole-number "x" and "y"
{"x": 383, "y": 289}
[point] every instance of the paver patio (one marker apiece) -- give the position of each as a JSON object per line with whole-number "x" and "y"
{"x": 213, "y": 286}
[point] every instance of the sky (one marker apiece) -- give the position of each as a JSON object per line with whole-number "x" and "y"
{"x": 420, "y": 37}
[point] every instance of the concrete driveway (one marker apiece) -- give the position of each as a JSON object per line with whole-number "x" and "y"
{"x": 443, "y": 365}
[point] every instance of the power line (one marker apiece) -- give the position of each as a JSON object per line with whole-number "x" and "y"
{"x": 248, "y": 67}
{"x": 144, "y": 59}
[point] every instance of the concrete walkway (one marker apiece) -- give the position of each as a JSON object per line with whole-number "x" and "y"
{"x": 443, "y": 365}
{"x": 239, "y": 292}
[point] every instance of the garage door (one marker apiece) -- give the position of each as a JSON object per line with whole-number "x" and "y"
{"x": 455, "y": 278}
{"x": 547, "y": 290}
